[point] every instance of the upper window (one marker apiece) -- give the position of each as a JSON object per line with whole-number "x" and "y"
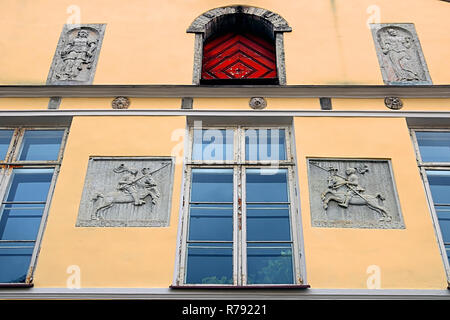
{"x": 434, "y": 161}
{"x": 239, "y": 45}
{"x": 29, "y": 161}
{"x": 239, "y": 225}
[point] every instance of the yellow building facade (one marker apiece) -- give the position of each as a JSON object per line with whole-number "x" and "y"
{"x": 359, "y": 85}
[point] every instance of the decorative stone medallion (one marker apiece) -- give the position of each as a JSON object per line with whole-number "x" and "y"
{"x": 346, "y": 193}
{"x": 393, "y": 103}
{"x": 400, "y": 54}
{"x": 257, "y": 103}
{"x": 127, "y": 192}
{"x": 120, "y": 103}
{"x": 76, "y": 55}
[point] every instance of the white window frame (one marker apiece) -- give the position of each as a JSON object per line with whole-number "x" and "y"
{"x": 239, "y": 164}
{"x": 9, "y": 163}
{"x": 423, "y": 167}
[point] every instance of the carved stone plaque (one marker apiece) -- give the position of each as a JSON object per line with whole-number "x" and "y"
{"x": 400, "y": 54}
{"x": 127, "y": 192}
{"x": 76, "y": 55}
{"x": 348, "y": 193}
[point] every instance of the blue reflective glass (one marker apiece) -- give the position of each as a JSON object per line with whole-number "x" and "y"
{"x": 212, "y": 185}
{"x": 439, "y": 182}
{"x": 269, "y": 263}
{"x": 443, "y": 214}
{"x": 209, "y": 263}
{"x": 266, "y": 185}
{"x": 14, "y": 262}
{"x": 211, "y": 222}
{"x": 5, "y": 140}
{"x": 434, "y": 146}
{"x": 20, "y": 221}
{"x": 213, "y": 144}
{"x": 29, "y": 185}
{"x": 268, "y": 223}
{"x": 41, "y": 145}
{"x": 265, "y": 144}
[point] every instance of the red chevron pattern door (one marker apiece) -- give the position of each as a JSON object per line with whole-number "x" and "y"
{"x": 238, "y": 56}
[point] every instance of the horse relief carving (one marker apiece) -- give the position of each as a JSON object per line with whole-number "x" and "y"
{"x": 126, "y": 192}
{"x": 353, "y": 194}
{"x": 133, "y": 187}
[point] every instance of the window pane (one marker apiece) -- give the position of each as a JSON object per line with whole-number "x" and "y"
{"x": 267, "y": 185}
{"x": 41, "y": 145}
{"x": 211, "y": 222}
{"x": 269, "y": 264}
{"x": 443, "y": 214}
{"x": 447, "y": 249}
{"x": 439, "y": 182}
{"x": 268, "y": 223}
{"x": 20, "y": 222}
{"x": 265, "y": 144}
{"x": 213, "y": 144}
{"x": 212, "y": 185}
{"x": 14, "y": 262}
{"x": 5, "y": 140}
{"x": 30, "y": 184}
{"x": 434, "y": 146}
{"x": 210, "y": 263}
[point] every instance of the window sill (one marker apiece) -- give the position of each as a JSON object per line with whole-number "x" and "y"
{"x": 247, "y": 287}
{"x": 16, "y": 285}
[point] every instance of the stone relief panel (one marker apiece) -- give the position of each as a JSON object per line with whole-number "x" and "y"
{"x": 127, "y": 192}
{"x": 76, "y": 55}
{"x": 353, "y": 194}
{"x": 400, "y": 54}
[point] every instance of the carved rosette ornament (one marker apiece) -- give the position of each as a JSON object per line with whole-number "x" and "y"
{"x": 393, "y": 103}
{"x": 120, "y": 103}
{"x": 127, "y": 192}
{"x": 76, "y": 55}
{"x": 257, "y": 103}
{"x": 353, "y": 194}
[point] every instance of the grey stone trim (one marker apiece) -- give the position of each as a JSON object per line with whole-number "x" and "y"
{"x": 199, "y": 25}
{"x": 54, "y": 103}
{"x": 186, "y": 103}
{"x": 222, "y": 91}
{"x": 325, "y": 104}
{"x": 249, "y": 294}
{"x": 280, "y": 56}
{"x": 400, "y": 54}
{"x": 78, "y": 68}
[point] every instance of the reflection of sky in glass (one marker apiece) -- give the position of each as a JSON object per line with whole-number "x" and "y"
{"x": 266, "y": 185}
{"x": 41, "y": 145}
{"x": 210, "y": 263}
{"x": 265, "y": 144}
{"x": 213, "y": 144}
{"x": 439, "y": 182}
{"x": 269, "y": 263}
{"x": 5, "y": 140}
{"x": 434, "y": 146}
{"x": 14, "y": 263}
{"x": 211, "y": 222}
{"x": 212, "y": 185}
{"x": 268, "y": 223}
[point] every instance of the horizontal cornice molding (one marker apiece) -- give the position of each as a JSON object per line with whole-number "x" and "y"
{"x": 245, "y": 91}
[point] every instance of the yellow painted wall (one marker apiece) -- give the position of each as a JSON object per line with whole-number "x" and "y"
{"x": 339, "y": 257}
{"x": 109, "y": 257}
{"x": 146, "y": 42}
{"x": 105, "y": 103}
{"x": 243, "y": 104}
{"x": 23, "y": 103}
{"x": 378, "y": 105}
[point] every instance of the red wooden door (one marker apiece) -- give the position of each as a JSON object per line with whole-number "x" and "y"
{"x": 238, "y": 56}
